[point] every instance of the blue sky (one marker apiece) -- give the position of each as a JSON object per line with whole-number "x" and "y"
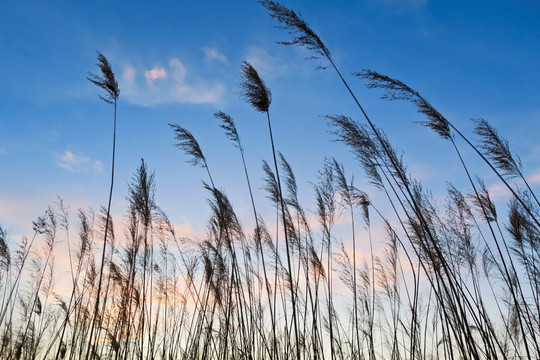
{"x": 179, "y": 62}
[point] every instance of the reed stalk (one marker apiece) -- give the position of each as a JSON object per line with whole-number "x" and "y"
{"x": 106, "y": 81}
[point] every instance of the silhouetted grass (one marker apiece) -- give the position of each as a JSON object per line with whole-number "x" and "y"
{"x": 452, "y": 281}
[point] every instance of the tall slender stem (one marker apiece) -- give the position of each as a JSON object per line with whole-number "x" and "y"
{"x": 287, "y": 248}
{"x": 96, "y": 307}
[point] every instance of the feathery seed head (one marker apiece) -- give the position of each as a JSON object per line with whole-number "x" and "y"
{"x": 223, "y": 216}
{"x": 359, "y": 138}
{"x": 253, "y": 89}
{"x": 290, "y": 181}
{"x": 397, "y": 90}
{"x": 297, "y": 27}
{"x": 482, "y": 200}
{"x": 497, "y": 149}
{"x": 229, "y": 127}
{"x": 271, "y": 184}
{"x": 106, "y": 81}
{"x": 188, "y": 143}
{"x": 142, "y": 192}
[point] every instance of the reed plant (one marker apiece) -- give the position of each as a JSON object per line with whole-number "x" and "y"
{"x": 416, "y": 281}
{"x": 106, "y": 81}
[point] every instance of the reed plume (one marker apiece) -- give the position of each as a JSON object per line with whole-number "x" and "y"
{"x": 497, "y": 149}
{"x": 230, "y": 129}
{"x": 106, "y": 80}
{"x": 253, "y": 89}
{"x": 297, "y": 27}
{"x": 397, "y": 90}
{"x": 190, "y": 145}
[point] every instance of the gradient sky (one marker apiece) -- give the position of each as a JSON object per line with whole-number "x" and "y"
{"x": 179, "y": 62}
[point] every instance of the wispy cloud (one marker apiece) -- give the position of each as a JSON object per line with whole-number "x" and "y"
{"x": 166, "y": 84}
{"x": 498, "y": 191}
{"x": 129, "y": 74}
{"x": 267, "y": 65}
{"x": 184, "y": 228}
{"x": 534, "y": 179}
{"x": 211, "y": 53}
{"x": 78, "y": 163}
{"x": 178, "y": 70}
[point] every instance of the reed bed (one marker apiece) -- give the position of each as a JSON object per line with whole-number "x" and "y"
{"x": 454, "y": 281}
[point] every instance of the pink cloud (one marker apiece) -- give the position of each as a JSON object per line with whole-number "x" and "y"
{"x": 154, "y": 74}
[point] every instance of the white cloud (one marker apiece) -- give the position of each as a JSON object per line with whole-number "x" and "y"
{"x": 168, "y": 84}
{"x": 211, "y": 53}
{"x": 78, "y": 163}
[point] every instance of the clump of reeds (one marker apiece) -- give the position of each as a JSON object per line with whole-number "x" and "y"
{"x": 458, "y": 281}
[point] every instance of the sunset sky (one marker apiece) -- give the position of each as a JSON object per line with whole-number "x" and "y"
{"x": 179, "y": 62}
